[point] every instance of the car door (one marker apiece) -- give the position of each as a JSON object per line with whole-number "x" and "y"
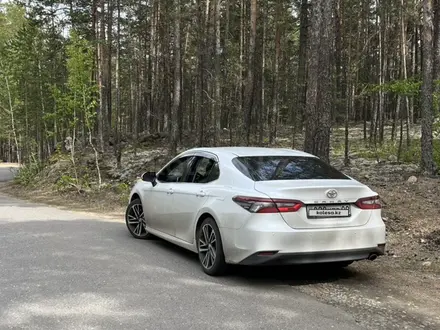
{"x": 161, "y": 195}
{"x": 190, "y": 196}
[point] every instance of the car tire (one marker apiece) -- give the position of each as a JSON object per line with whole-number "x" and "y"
{"x": 210, "y": 248}
{"x": 135, "y": 220}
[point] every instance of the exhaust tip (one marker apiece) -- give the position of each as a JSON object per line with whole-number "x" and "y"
{"x": 372, "y": 257}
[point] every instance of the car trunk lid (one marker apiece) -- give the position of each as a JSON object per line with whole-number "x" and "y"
{"x": 320, "y": 195}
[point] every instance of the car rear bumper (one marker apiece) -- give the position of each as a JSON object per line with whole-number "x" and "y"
{"x": 272, "y": 241}
{"x": 313, "y": 257}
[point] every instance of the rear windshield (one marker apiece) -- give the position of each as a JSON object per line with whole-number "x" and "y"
{"x": 268, "y": 168}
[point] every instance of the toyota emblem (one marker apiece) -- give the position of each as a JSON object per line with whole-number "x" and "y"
{"x": 332, "y": 193}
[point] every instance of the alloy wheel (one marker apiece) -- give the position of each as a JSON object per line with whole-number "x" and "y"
{"x": 136, "y": 220}
{"x": 207, "y": 246}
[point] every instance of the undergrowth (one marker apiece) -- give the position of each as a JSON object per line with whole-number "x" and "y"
{"x": 409, "y": 154}
{"x": 28, "y": 172}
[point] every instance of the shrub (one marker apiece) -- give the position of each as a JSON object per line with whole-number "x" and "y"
{"x": 28, "y": 172}
{"x": 66, "y": 182}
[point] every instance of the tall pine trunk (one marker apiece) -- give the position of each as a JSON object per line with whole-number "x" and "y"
{"x": 427, "y": 106}
{"x": 118, "y": 151}
{"x": 319, "y": 80}
{"x": 275, "y": 86}
{"x": 302, "y": 70}
{"x": 218, "y": 98}
{"x": 177, "y": 83}
{"x": 249, "y": 88}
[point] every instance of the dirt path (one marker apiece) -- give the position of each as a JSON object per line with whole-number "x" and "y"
{"x": 384, "y": 294}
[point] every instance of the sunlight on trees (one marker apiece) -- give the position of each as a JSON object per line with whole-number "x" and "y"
{"x": 216, "y": 72}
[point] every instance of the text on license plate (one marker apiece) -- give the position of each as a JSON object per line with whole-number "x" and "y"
{"x": 328, "y": 211}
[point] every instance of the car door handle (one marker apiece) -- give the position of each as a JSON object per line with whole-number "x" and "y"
{"x": 201, "y": 193}
{"x": 170, "y": 191}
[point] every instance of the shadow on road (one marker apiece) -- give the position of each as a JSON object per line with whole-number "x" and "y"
{"x": 293, "y": 275}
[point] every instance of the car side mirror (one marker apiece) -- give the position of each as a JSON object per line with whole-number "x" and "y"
{"x": 150, "y": 177}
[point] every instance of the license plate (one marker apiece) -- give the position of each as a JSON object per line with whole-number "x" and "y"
{"x": 328, "y": 211}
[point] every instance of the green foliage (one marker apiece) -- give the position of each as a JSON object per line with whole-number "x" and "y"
{"x": 12, "y": 19}
{"x": 122, "y": 188}
{"x": 78, "y": 98}
{"x": 123, "y": 191}
{"x": 30, "y": 57}
{"x": 409, "y": 87}
{"x": 27, "y": 173}
{"x": 65, "y": 182}
{"x": 411, "y": 154}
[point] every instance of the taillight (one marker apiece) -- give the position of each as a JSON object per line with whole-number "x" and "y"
{"x": 369, "y": 203}
{"x": 267, "y": 205}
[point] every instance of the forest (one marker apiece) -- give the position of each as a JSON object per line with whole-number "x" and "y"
{"x": 101, "y": 74}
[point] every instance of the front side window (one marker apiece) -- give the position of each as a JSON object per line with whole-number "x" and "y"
{"x": 269, "y": 168}
{"x": 176, "y": 171}
{"x": 206, "y": 170}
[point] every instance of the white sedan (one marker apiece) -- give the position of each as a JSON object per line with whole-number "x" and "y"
{"x": 257, "y": 206}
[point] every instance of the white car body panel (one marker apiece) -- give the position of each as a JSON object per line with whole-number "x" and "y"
{"x": 314, "y": 192}
{"x": 174, "y": 216}
{"x": 188, "y": 199}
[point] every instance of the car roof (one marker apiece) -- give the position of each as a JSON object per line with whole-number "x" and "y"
{"x": 233, "y": 152}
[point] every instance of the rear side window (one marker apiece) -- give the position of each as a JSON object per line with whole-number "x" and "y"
{"x": 268, "y": 168}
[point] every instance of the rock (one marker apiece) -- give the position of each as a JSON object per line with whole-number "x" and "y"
{"x": 355, "y": 170}
{"x": 412, "y": 179}
{"x": 392, "y": 158}
{"x": 68, "y": 143}
{"x": 427, "y": 264}
{"x": 423, "y": 241}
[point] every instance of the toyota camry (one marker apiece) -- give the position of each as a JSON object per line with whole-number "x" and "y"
{"x": 257, "y": 206}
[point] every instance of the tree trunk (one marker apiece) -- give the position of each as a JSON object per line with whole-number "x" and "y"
{"x": 201, "y": 74}
{"x": 235, "y": 120}
{"x": 319, "y": 81}
{"x": 380, "y": 18}
{"x": 108, "y": 71}
{"x": 263, "y": 116}
{"x": 249, "y": 88}
{"x": 276, "y": 65}
{"x": 404, "y": 72}
{"x": 101, "y": 82}
{"x": 177, "y": 83}
{"x": 399, "y": 150}
{"x": 302, "y": 66}
{"x": 427, "y": 163}
{"x": 12, "y": 116}
{"x": 218, "y": 98}
{"x": 118, "y": 88}
{"x": 437, "y": 49}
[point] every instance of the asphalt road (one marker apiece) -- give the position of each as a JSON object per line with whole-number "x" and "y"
{"x": 68, "y": 270}
{"x": 6, "y": 172}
